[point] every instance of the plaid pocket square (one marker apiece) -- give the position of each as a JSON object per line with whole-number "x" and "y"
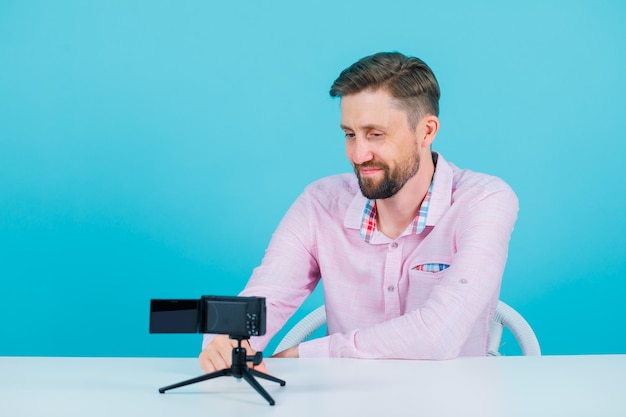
{"x": 430, "y": 267}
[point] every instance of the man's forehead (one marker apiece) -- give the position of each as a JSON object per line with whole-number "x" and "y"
{"x": 369, "y": 109}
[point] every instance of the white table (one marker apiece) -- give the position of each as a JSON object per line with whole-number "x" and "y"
{"x": 504, "y": 387}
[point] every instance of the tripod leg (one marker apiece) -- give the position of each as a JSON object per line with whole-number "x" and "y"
{"x": 266, "y": 376}
{"x": 255, "y": 384}
{"x": 223, "y": 372}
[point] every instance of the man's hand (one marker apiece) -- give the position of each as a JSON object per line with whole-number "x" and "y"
{"x": 292, "y": 352}
{"x": 218, "y": 354}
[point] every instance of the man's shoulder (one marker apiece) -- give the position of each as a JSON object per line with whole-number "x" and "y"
{"x": 338, "y": 184}
{"x": 341, "y": 187}
{"x": 464, "y": 178}
{"x": 347, "y": 179}
{"x": 474, "y": 184}
{"x": 461, "y": 180}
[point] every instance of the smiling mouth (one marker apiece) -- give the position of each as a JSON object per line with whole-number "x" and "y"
{"x": 369, "y": 171}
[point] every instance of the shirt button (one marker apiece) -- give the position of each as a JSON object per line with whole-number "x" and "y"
{"x": 394, "y": 245}
{"x": 391, "y": 288}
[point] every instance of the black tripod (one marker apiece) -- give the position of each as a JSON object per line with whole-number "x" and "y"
{"x": 239, "y": 369}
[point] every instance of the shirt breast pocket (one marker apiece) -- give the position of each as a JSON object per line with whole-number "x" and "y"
{"x": 422, "y": 281}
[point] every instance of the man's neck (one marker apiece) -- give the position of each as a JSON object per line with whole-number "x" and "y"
{"x": 394, "y": 214}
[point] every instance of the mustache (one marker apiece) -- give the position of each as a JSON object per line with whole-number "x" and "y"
{"x": 370, "y": 164}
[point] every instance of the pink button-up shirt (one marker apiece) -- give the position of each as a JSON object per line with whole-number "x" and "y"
{"x": 381, "y": 299}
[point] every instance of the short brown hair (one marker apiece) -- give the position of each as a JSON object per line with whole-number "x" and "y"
{"x": 408, "y": 79}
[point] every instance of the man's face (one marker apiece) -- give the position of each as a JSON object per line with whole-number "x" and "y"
{"x": 380, "y": 144}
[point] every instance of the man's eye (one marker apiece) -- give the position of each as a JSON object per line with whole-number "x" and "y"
{"x": 350, "y": 135}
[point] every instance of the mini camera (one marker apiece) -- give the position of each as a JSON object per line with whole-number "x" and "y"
{"x": 234, "y": 316}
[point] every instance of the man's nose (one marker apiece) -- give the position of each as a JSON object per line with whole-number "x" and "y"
{"x": 361, "y": 151}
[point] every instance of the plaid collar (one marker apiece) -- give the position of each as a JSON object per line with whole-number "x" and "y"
{"x": 368, "y": 222}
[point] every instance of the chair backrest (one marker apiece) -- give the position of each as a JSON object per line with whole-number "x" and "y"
{"x": 505, "y": 316}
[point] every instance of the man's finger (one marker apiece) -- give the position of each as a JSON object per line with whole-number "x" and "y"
{"x": 260, "y": 367}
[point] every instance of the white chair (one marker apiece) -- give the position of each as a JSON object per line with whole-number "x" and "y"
{"x": 505, "y": 316}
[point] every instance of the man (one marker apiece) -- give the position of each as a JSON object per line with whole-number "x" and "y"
{"x": 411, "y": 249}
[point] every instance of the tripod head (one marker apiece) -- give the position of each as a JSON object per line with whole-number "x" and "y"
{"x": 240, "y": 357}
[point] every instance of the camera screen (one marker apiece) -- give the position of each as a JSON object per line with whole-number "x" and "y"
{"x": 174, "y": 316}
{"x": 225, "y": 317}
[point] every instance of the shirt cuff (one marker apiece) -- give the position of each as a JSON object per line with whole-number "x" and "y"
{"x": 316, "y": 348}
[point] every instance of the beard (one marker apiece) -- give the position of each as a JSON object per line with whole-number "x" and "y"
{"x": 393, "y": 179}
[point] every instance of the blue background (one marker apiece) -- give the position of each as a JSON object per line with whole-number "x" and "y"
{"x": 148, "y": 149}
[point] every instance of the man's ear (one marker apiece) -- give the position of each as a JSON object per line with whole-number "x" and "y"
{"x": 430, "y": 129}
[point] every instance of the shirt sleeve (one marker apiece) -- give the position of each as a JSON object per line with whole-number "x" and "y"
{"x": 441, "y": 326}
{"x": 289, "y": 271}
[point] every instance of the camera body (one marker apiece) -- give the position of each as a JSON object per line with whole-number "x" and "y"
{"x": 235, "y": 316}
